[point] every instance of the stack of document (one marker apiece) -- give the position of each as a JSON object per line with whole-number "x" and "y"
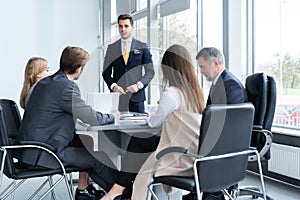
{"x": 133, "y": 117}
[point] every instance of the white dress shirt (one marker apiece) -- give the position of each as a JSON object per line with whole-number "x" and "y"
{"x": 170, "y": 101}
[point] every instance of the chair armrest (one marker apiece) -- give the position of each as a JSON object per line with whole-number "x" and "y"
{"x": 257, "y": 127}
{"x": 175, "y": 149}
{"x": 168, "y": 150}
{"x": 269, "y": 138}
{"x": 268, "y": 141}
{"x": 38, "y": 143}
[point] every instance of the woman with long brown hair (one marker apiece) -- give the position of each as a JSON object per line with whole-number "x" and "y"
{"x": 179, "y": 114}
{"x": 181, "y": 106}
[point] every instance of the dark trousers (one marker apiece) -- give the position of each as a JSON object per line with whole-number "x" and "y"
{"x": 125, "y": 104}
{"x": 98, "y": 165}
{"x": 80, "y": 140}
{"x": 139, "y": 149}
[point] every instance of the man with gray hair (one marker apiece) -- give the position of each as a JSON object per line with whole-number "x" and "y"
{"x": 226, "y": 88}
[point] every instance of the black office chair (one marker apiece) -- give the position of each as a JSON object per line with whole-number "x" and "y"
{"x": 222, "y": 158}
{"x": 9, "y": 122}
{"x": 261, "y": 91}
{"x": 13, "y": 118}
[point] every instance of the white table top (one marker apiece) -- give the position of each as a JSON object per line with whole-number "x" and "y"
{"x": 128, "y": 127}
{"x": 122, "y": 125}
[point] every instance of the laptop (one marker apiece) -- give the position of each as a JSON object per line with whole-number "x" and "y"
{"x": 103, "y": 102}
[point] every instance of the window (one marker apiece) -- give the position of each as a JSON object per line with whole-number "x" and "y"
{"x": 113, "y": 16}
{"x": 141, "y": 29}
{"x": 213, "y": 23}
{"x": 141, "y": 4}
{"x": 178, "y": 28}
{"x": 277, "y": 54}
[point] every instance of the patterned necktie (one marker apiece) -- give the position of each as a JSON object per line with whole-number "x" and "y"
{"x": 125, "y": 52}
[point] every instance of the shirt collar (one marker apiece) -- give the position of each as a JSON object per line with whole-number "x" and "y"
{"x": 217, "y": 77}
{"x": 129, "y": 40}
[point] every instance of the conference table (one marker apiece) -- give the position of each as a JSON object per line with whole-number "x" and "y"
{"x": 113, "y": 138}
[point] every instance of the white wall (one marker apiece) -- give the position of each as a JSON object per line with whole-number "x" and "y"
{"x": 43, "y": 28}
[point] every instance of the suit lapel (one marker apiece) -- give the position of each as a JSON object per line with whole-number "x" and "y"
{"x": 132, "y": 47}
{"x": 218, "y": 86}
{"x": 218, "y": 93}
{"x": 118, "y": 51}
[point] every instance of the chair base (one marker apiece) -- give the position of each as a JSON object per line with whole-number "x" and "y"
{"x": 254, "y": 192}
{"x": 162, "y": 195}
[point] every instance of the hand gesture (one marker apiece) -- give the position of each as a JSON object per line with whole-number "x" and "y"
{"x": 119, "y": 89}
{"x": 132, "y": 88}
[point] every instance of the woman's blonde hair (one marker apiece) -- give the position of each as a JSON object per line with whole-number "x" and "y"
{"x": 178, "y": 71}
{"x": 34, "y": 66}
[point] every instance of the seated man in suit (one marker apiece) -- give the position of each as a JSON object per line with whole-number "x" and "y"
{"x": 226, "y": 88}
{"x": 50, "y": 117}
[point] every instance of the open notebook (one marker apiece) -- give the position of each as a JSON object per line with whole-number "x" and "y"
{"x": 103, "y": 102}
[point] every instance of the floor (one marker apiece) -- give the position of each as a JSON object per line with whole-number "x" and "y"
{"x": 277, "y": 190}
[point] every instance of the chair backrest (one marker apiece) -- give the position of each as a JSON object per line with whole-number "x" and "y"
{"x": 261, "y": 91}
{"x": 12, "y": 117}
{"x": 271, "y": 103}
{"x": 257, "y": 92}
{"x": 9, "y": 169}
{"x": 224, "y": 129}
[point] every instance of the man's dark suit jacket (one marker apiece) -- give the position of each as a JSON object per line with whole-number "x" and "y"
{"x": 227, "y": 90}
{"x": 50, "y": 115}
{"x": 115, "y": 70}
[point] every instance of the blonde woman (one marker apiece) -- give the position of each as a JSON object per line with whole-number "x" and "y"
{"x": 36, "y": 69}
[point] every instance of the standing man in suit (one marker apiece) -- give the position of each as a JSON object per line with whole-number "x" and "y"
{"x": 128, "y": 67}
{"x": 226, "y": 88}
{"x": 50, "y": 117}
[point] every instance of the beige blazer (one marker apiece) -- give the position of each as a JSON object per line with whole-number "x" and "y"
{"x": 181, "y": 128}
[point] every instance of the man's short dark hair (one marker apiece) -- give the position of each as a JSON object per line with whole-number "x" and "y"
{"x": 124, "y": 17}
{"x": 72, "y": 58}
